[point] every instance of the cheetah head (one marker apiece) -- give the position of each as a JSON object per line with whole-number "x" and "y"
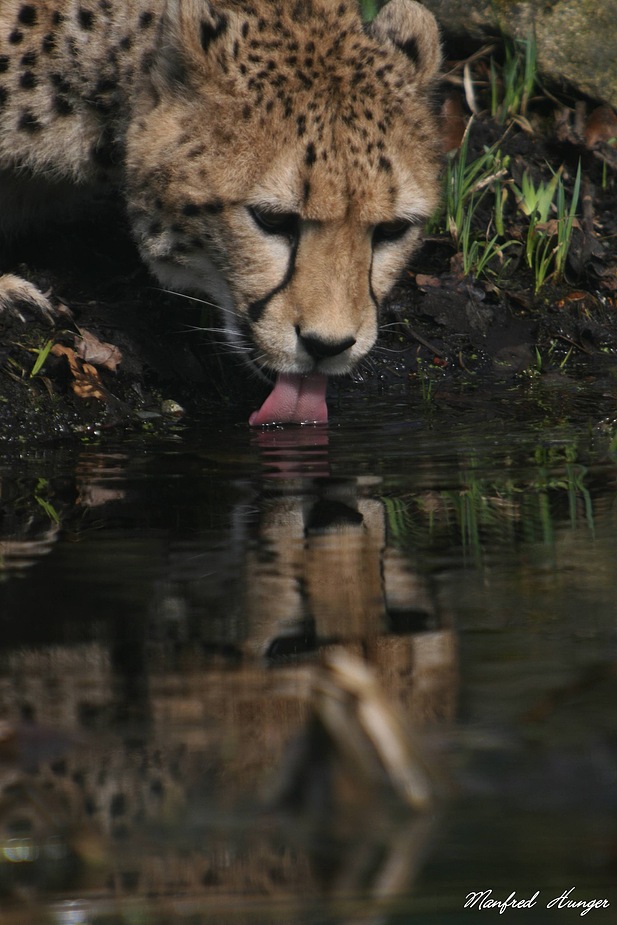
{"x": 285, "y": 164}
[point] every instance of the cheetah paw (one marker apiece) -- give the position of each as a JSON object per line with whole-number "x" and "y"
{"x": 18, "y": 295}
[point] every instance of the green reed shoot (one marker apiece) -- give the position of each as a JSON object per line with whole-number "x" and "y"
{"x": 535, "y": 202}
{"x": 501, "y": 197}
{"x": 427, "y": 384}
{"x": 565, "y": 221}
{"x": 41, "y": 357}
{"x": 542, "y": 255}
{"x": 467, "y": 183}
{"x": 463, "y": 181}
{"x": 42, "y": 487}
{"x": 478, "y": 253}
{"x": 512, "y": 89}
{"x": 548, "y": 241}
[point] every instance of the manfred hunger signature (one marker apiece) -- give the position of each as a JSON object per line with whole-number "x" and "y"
{"x": 483, "y": 900}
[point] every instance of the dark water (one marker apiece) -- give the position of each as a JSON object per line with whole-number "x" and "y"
{"x": 176, "y": 745}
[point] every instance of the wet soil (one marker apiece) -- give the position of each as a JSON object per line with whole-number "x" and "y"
{"x": 439, "y": 327}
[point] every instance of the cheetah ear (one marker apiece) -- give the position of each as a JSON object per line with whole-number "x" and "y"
{"x": 413, "y": 30}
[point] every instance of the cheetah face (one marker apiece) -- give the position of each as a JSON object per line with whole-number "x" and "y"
{"x": 286, "y": 168}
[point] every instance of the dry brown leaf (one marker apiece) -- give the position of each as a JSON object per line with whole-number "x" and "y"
{"x": 59, "y": 350}
{"x": 601, "y": 126}
{"x": 576, "y": 296}
{"x": 96, "y": 351}
{"x": 551, "y": 227}
{"x": 453, "y": 124}
{"x": 86, "y": 380}
{"x": 89, "y": 385}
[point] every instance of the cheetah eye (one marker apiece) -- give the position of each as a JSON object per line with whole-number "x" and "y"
{"x": 391, "y": 231}
{"x": 285, "y": 224}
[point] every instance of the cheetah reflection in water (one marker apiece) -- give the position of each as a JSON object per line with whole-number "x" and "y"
{"x": 125, "y": 771}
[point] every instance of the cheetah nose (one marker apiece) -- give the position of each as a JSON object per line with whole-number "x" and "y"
{"x": 319, "y": 349}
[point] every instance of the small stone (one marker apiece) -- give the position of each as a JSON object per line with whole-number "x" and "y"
{"x": 171, "y": 408}
{"x": 574, "y": 38}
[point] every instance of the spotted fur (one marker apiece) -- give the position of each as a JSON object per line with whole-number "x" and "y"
{"x": 278, "y": 155}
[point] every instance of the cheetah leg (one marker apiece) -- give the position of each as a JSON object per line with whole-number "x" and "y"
{"x": 17, "y": 294}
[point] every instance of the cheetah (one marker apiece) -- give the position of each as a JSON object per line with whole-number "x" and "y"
{"x": 277, "y": 156}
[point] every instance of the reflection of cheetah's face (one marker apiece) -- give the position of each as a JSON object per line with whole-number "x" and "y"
{"x": 279, "y": 157}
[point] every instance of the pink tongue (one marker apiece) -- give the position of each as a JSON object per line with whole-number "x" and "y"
{"x": 294, "y": 400}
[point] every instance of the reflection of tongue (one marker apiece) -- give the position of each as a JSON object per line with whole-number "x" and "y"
{"x": 294, "y": 399}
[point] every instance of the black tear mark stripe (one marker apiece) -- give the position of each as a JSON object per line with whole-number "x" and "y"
{"x": 256, "y": 309}
{"x": 370, "y": 284}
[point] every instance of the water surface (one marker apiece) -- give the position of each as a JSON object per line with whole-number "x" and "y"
{"x": 174, "y": 747}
